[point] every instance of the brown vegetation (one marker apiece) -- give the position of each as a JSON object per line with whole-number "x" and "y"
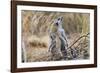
{"x": 35, "y": 27}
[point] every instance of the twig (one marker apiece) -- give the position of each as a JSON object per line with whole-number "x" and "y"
{"x": 78, "y": 40}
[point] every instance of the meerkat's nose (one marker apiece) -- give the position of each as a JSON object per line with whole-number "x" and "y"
{"x": 57, "y": 24}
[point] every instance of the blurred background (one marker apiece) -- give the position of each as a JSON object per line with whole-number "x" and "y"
{"x": 35, "y": 32}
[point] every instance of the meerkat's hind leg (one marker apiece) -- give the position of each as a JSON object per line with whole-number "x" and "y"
{"x": 63, "y": 51}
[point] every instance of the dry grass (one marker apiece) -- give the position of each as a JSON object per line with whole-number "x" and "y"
{"x": 38, "y": 49}
{"x": 35, "y": 27}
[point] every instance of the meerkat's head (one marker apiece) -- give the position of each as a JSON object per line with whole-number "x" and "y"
{"x": 58, "y": 22}
{"x": 56, "y": 25}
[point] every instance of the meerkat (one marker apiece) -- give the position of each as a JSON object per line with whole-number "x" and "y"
{"x": 53, "y": 43}
{"x": 57, "y": 35}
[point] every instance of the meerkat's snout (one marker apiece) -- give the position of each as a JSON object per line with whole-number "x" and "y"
{"x": 58, "y": 21}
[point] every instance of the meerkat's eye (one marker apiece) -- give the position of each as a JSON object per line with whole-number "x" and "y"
{"x": 58, "y": 18}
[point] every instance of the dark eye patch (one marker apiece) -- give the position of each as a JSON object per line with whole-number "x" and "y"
{"x": 58, "y": 18}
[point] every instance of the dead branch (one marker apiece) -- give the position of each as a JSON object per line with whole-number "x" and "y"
{"x": 78, "y": 40}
